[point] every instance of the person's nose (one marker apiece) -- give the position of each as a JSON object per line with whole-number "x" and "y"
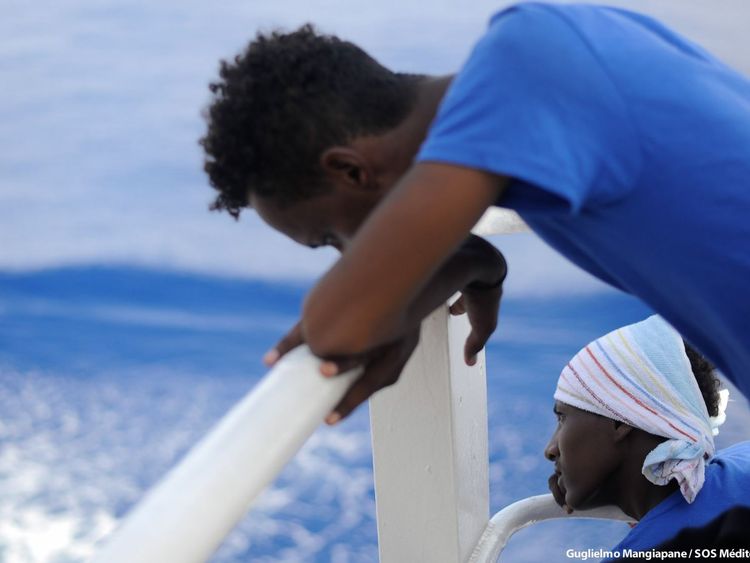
{"x": 551, "y": 451}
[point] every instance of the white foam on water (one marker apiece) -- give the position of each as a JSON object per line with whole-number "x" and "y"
{"x": 77, "y": 452}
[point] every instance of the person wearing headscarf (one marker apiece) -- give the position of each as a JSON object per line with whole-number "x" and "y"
{"x": 637, "y": 413}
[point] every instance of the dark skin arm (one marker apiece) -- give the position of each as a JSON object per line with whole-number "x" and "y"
{"x": 411, "y": 284}
{"x": 372, "y": 294}
{"x": 475, "y": 261}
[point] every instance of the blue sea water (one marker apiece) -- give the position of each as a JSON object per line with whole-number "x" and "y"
{"x": 109, "y": 374}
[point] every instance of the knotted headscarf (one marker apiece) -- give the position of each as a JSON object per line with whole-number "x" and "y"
{"x": 641, "y": 375}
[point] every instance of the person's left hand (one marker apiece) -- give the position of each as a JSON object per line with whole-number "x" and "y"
{"x": 482, "y": 307}
{"x": 382, "y": 367}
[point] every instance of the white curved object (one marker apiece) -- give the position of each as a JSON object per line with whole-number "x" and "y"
{"x": 185, "y": 517}
{"x": 498, "y": 220}
{"x": 525, "y": 513}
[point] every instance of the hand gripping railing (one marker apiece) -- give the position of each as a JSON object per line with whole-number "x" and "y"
{"x": 524, "y": 513}
{"x": 188, "y": 514}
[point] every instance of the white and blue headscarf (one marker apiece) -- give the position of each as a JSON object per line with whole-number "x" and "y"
{"x": 641, "y": 375}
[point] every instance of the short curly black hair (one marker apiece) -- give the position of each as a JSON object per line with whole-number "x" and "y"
{"x": 282, "y": 102}
{"x": 705, "y": 374}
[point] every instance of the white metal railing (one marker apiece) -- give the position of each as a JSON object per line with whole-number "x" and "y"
{"x": 185, "y": 517}
{"x": 524, "y": 513}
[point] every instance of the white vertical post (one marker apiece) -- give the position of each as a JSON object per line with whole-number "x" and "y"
{"x": 429, "y": 434}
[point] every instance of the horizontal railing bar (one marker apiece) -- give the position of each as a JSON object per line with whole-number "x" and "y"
{"x": 186, "y": 516}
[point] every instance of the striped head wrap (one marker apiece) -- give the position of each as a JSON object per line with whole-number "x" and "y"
{"x": 641, "y": 375}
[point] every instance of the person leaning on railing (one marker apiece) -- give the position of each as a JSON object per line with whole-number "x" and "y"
{"x": 622, "y": 144}
{"x": 637, "y": 410}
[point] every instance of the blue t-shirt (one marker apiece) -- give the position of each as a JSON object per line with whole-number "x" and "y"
{"x": 727, "y": 485}
{"x": 629, "y": 150}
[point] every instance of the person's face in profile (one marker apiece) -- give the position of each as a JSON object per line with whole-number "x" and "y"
{"x": 586, "y": 460}
{"x": 330, "y": 218}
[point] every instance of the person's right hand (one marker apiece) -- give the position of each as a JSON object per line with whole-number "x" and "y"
{"x": 382, "y": 367}
{"x": 295, "y": 338}
{"x": 289, "y": 342}
{"x": 558, "y": 492}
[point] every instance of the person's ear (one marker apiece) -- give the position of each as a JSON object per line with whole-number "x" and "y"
{"x": 345, "y": 166}
{"x": 621, "y": 430}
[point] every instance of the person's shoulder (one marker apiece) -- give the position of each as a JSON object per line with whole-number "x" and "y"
{"x": 521, "y": 34}
{"x": 544, "y": 13}
{"x": 730, "y": 468}
{"x": 534, "y": 21}
{"x": 526, "y": 14}
{"x": 739, "y": 452}
{"x": 532, "y": 27}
